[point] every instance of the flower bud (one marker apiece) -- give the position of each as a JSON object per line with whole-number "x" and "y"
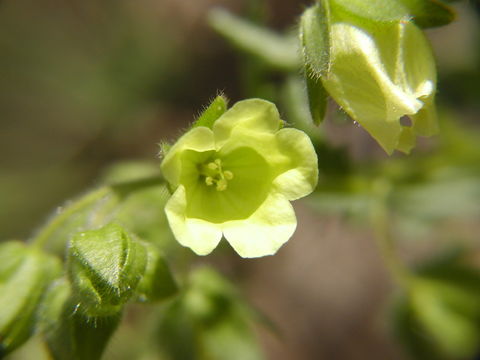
{"x": 24, "y": 274}
{"x": 105, "y": 266}
{"x": 69, "y": 334}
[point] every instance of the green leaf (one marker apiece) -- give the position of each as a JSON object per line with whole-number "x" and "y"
{"x": 440, "y": 317}
{"x": 217, "y": 108}
{"x": 314, "y": 37}
{"x": 105, "y": 266}
{"x": 68, "y": 333}
{"x": 429, "y": 13}
{"x": 277, "y": 51}
{"x": 376, "y": 10}
{"x": 24, "y": 275}
{"x": 317, "y": 98}
{"x": 157, "y": 282}
{"x": 208, "y": 321}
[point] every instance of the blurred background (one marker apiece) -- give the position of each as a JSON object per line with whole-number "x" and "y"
{"x": 86, "y": 84}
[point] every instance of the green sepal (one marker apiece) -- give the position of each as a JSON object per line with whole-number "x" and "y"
{"x": 70, "y": 334}
{"x": 429, "y": 13}
{"x": 217, "y": 108}
{"x": 157, "y": 282}
{"x": 314, "y": 37}
{"x": 273, "y": 49}
{"x": 105, "y": 266}
{"x": 24, "y": 275}
{"x": 317, "y": 98}
{"x": 371, "y": 10}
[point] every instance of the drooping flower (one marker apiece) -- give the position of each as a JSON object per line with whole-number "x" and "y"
{"x": 236, "y": 180}
{"x": 380, "y": 74}
{"x": 376, "y": 63}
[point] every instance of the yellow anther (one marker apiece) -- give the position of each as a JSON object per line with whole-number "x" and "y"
{"x": 228, "y": 175}
{"x": 212, "y": 166}
{"x": 209, "y": 180}
{"x": 221, "y": 185}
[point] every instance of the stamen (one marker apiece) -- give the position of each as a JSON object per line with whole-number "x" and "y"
{"x": 215, "y": 175}
{"x": 228, "y": 175}
{"x": 221, "y": 185}
{"x": 209, "y": 180}
{"x": 212, "y": 166}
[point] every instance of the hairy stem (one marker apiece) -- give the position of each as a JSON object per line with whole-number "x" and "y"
{"x": 44, "y": 233}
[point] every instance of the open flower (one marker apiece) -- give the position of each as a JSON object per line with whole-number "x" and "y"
{"x": 380, "y": 71}
{"x": 236, "y": 179}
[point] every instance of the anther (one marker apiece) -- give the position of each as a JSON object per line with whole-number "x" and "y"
{"x": 212, "y": 166}
{"x": 221, "y": 185}
{"x": 209, "y": 180}
{"x": 228, "y": 175}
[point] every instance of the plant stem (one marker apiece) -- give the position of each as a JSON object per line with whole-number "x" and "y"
{"x": 379, "y": 217}
{"x": 45, "y": 232}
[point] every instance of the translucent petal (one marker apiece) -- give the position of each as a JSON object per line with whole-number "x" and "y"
{"x": 265, "y": 231}
{"x": 407, "y": 140}
{"x": 301, "y": 177}
{"x": 199, "y": 235}
{"x": 253, "y": 115}
{"x": 199, "y": 139}
{"x": 372, "y": 80}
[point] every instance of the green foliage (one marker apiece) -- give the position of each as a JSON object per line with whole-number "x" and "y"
{"x": 372, "y": 10}
{"x": 439, "y": 317}
{"x": 157, "y": 282}
{"x": 429, "y": 13}
{"x": 317, "y": 98}
{"x": 105, "y": 267}
{"x": 275, "y": 50}
{"x": 25, "y": 273}
{"x": 208, "y": 321}
{"x": 68, "y": 332}
{"x": 314, "y": 37}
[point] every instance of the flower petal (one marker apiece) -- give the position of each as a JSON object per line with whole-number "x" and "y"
{"x": 301, "y": 177}
{"x": 253, "y": 115}
{"x": 198, "y": 139}
{"x": 199, "y": 235}
{"x": 361, "y": 81}
{"x": 265, "y": 231}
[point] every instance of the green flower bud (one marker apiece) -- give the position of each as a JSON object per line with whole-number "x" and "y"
{"x": 69, "y": 334}
{"x": 379, "y": 67}
{"x": 105, "y": 266}
{"x": 24, "y": 275}
{"x": 236, "y": 180}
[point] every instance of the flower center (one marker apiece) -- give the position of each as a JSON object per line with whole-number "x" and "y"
{"x": 215, "y": 174}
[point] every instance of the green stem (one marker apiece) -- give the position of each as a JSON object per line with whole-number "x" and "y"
{"x": 43, "y": 235}
{"x": 380, "y": 220}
